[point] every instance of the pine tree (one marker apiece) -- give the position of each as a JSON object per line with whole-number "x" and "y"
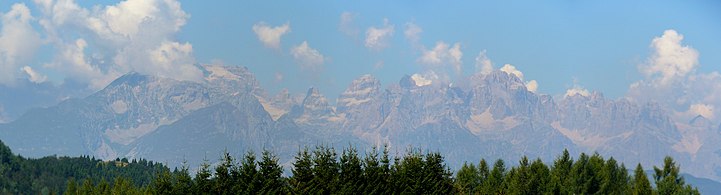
{"x": 668, "y": 180}
{"x": 351, "y": 178}
{"x": 270, "y": 174}
{"x": 302, "y": 172}
{"x": 561, "y": 179}
{"x": 184, "y": 183}
{"x": 163, "y": 183}
{"x": 325, "y": 170}
{"x": 249, "y": 181}
{"x": 222, "y": 182}
{"x": 72, "y": 187}
{"x": 483, "y": 174}
{"x": 539, "y": 178}
{"x": 202, "y": 179}
{"x": 640, "y": 185}
{"x": 495, "y": 181}
{"x": 468, "y": 179}
{"x": 436, "y": 177}
{"x": 375, "y": 173}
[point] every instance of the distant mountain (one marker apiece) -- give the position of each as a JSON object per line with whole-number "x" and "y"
{"x": 489, "y": 115}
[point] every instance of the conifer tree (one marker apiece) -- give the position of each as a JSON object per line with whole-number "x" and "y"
{"x": 351, "y": 178}
{"x": 302, "y": 172}
{"x": 467, "y": 179}
{"x": 270, "y": 174}
{"x": 640, "y": 185}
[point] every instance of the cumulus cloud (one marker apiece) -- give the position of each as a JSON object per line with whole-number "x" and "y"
{"x": 576, "y": 90}
{"x": 18, "y": 42}
{"x": 33, "y": 75}
{"x": 307, "y": 57}
{"x": 443, "y": 55}
{"x": 670, "y": 59}
{"x": 510, "y": 69}
{"x": 270, "y": 36}
{"x": 532, "y": 86}
{"x": 347, "y": 25}
{"x": 413, "y": 32}
{"x": 704, "y": 110}
{"x": 97, "y": 45}
{"x": 425, "y": 78}
{"x": 672, "y": 81}
{"x": 483, "y": 63}
{"x": 377, "y": 37}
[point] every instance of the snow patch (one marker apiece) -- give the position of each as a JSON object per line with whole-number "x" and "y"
{"x": 353, "y": 101}
{"x": 589, "y": 141}
{"x": 275, "y": 112}
{"x": 119, "y": 106}
{"x": 478, "y": 122}
{"x": 127, "y": 136}
{"x": 690, "y": 142}
{"x": 105, "y": 152}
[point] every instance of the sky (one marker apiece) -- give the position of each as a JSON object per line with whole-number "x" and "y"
{"x": 664, "y": 51}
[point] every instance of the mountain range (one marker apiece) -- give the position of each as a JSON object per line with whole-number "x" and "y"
{"x": 491, "y": 115}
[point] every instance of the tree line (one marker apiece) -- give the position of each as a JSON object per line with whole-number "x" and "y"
{"x": 20, "y": 175}
{"x": 322, "y": 170}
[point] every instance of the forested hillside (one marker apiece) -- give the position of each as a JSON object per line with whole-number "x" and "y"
{"x": 19, "y": 175}
{"x": 323, "y": 170}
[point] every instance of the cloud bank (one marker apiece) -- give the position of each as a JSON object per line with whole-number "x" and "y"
{"x": 670, "y": 79}
{"x": 96, "y": 45}
{"x": 18, "y": 42}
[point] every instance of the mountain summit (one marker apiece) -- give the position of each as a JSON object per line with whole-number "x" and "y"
{"x": 492, "y": 114}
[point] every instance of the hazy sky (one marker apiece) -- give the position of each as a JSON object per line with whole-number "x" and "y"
{"x": 606, "y": 46}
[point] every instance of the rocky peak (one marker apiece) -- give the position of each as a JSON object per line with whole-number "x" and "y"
{"x": 315, "y": 102}
{"x": 360, "y": 91}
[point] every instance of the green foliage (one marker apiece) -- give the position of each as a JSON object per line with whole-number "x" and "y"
{"x": 320, "y": 171}
{"x": 640, "y": 184}
{"x": 52, "y": 174}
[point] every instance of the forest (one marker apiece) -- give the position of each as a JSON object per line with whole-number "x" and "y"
{"x": 322, "y": 170}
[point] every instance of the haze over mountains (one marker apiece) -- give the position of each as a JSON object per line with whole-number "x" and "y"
{"x": 491, "y": 114}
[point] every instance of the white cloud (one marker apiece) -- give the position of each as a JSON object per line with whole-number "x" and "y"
{"x": 704, "y": 110}
{"x": 377, "y": 38}
{"x": 413, "y": 32}
{"x": 670, "y": 59}
{"x": 424, "y": 79}
{"x": 347, "y": 25}
{"x": 577, "y": 91}
{"x": 671, "y": 80}
{"x": 307, "y": 57}
{"x": 532, "y": 86}
{"x": 270, "y": 36}
{"x": 33, "y": 75}
{"x": 510, "y": 69}
{"x": 443, "y": 55}
{"x": 483, "y": 63}
{"x": 18, "y": 42}
{"x": 97, "y": 45}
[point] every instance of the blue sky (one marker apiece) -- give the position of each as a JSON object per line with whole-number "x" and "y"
{"x": 597, "y": 45}
{"x": 594, "y": 44}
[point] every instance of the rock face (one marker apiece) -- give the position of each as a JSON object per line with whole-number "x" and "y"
{"x": 492, "y": 115}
